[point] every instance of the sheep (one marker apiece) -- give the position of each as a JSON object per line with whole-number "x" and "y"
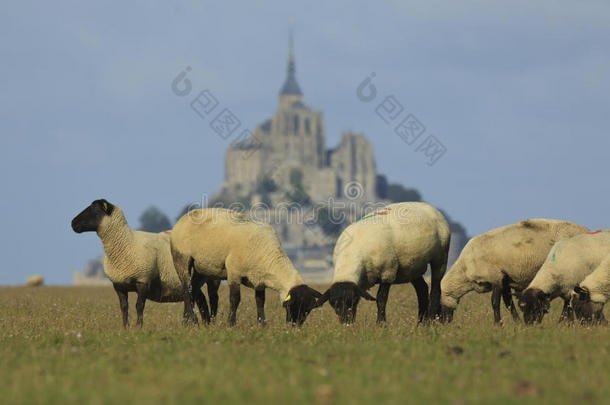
{"x": 138, "y": 261}
{"x": 501, "y": 259}
{"x": 221, "y": 244}
{"x": 34, "y": 281}
{"x": 393, "y": 245}
{"x": 566, "y": 265}
{"x": 592, "y": 293}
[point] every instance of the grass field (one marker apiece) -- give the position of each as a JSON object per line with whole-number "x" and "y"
{"x": 66, "y": 345}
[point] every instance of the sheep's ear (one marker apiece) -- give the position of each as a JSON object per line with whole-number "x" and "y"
{"x": 286, "y": 301}
{"x": 315, "y": 293}
{"x": 365, "y": 295}
{"x": 106, "y": 206}
{"x": 323, "y": 298}
{"x": 583, "y": 293}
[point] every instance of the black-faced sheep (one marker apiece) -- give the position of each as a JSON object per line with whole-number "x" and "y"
{"x": 592, "y": 293}
{"x": 501, "y": 259}
{"x": 393, "y": 245}
{"x": 220, "y": 244}
{"x": 138, "y": 261}
{"x": 567, "y": 264}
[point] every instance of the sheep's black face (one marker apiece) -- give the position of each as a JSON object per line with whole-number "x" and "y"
{"x": 534, "y": 303}
{"x": 446, "y": 315}
{"x": 344, "y": 298}
{"x": 299, "y": 303}
{"x": 587, "y": 311}
{"x": 91, "y": 217}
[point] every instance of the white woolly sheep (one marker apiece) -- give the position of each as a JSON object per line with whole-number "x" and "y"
{"x": 138, "y": 261}
{"x": 393, "y": 245}
{"x": 34, "y": 281}
{"x": 220, "y": 244}
{"x": 501, "y": 259}
{"x": 592, "y": 293}
{"x": 567, "y": 264}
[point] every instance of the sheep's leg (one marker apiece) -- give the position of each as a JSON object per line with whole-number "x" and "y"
{"x": 142, "y": 290}
{"x": 234, "y": 298}
{"x": 600, "y": 318}
{"x": 260, "y": 306}
{"x": 421, "y": 288}
{"x": 496, "y": 294}
{"x": 197, "y": 282}
{"x": 566, "y": 313}
{"x": 437, "y": 270}
{"x": 188, "y": 316}
{"x": 185, "y": 268}
{"x": 508, "y": 299}
{"x": 382, "y": 299}
{"x": 213, "y": 286}
{"x": 122, "y": 293}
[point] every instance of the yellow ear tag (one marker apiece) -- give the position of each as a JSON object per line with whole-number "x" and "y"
{"x": 105, "y": 206}
{"x": 287, "y": 298}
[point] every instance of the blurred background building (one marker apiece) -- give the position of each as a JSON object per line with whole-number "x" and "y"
{"x": 285, "y": 174}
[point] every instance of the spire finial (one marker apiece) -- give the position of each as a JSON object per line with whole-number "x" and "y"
{"x": 290, "y": 85}
{"x": 291, "y": 67}
{"x": 291, "y": 39}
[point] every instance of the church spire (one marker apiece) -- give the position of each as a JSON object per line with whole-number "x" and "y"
{"x": 291, "y": 87}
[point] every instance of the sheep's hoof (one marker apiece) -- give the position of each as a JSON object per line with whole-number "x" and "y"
{"x": 190, "y": 321}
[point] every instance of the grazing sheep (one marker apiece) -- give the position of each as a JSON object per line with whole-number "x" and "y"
{"x": 501, "y": 259}
{"x": 592, "y": 294}
{"x": 138, "y": 261}
{"x": 34, "y": 281}
{"x": 394, "y": 245}
{"x": 567, "y": 264}
{"x": 219, "y": 244}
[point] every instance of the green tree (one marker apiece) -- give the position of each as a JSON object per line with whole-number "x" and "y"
{"x": 382, "y": 186}
{"x": 297, "y": 195}
{"x": 267, "y": 185}
{"x": 398, "y": 193}
{"x": 296, "y": 177}
{"x": 330, "y": 224}
{"x": 154, "y": 220}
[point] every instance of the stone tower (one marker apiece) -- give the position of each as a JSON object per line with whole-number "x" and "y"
{"x": 292, "y": 139}
{"x": 297, "y": 132}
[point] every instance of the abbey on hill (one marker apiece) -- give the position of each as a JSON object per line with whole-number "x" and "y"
{"x": 294, "y": 141}
{"x": 286, "y": 160}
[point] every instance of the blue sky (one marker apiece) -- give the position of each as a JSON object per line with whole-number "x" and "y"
{"x": 517, "y": 92}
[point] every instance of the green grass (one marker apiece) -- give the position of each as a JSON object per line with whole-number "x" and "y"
{"x": 66, "y": 345}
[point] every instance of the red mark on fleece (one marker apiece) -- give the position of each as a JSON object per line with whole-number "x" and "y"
{"x": 167, "y": 232}
{"x": 594, "y": 232}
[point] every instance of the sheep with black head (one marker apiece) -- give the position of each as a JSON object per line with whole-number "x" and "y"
{"x": 139, "y": 261}
{"x": 567, "y": 264}
{"x": 221, "y": 244}
{"x": 392, "y": 245}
